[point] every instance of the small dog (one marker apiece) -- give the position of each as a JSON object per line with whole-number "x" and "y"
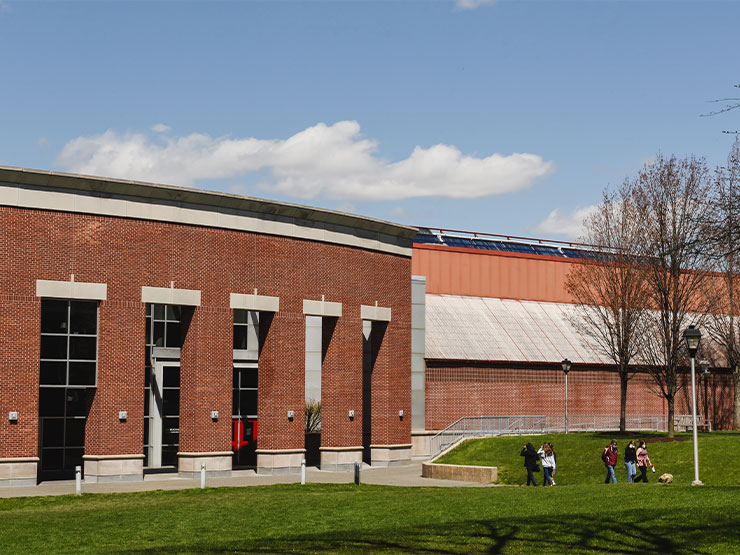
{"x": 666, "y": 478}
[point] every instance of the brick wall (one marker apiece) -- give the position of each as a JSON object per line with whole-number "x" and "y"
{"x": 128, "y": 254}
{"x": 456, "y": 391}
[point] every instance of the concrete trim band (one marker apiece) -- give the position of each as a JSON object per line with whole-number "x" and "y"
{"x": 71, "y": 290}
{"x": 170, "y": 295}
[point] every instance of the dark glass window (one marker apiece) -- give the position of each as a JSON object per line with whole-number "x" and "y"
{"x": 54, "y": 372}
{"x": 69, "y": 346}
{"x": 240, "y": 337}
{"x": 83, "y": 318}
{"x": 240, "y": 316}
{"x": 82, "y": 348}
{"x": 54, "y": 347}
{"x": 245, "y": 393}
{"x": 51, "y": 401}
{"x": 52, "y": 434}
{"x": 75, "y": 432}
{"x": 172, "y": 337}
{"x": 81, "y": 373}
{"x": 54, "y": 316}
{"x": 68, "y": 335}
{"x": 249, "y": 378}
{"x": 76, "y": 402}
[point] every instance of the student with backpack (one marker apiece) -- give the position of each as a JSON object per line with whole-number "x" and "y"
{"x": 609, "y": 456}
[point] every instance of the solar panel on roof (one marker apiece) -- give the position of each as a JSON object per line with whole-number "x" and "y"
{"x": 547, "y": 251}
{"x": 427, "y": 238}
{"x": 521, "y": 247}
{"x": 573, "y": 253}
{"x": 459, "y": 242}
{"x": 486, "y": 244}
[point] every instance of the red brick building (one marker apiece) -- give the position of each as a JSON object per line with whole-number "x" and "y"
{"x": 496, "y": 327}
{"x": 146, "y": 326}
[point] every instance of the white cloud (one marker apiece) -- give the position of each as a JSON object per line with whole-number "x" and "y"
{"x": 42, "y": 142}
{"x": 161, "y": 128}
{"x": 473, "y": 4}
{"x": 327, "y": 161}
{"x": 565, "y": 225}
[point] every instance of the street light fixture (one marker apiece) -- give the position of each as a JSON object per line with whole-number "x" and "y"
{"x": 693, "y": 336}
{"x": 566, "y": 368}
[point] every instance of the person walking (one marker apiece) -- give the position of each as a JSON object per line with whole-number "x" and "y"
{"x": 530, "y": 462}
{"x": 548, "y": 463}
{"x": 642, "y": 462}
{"x": 630, "y": 461}
{"x": 609, "y": 456}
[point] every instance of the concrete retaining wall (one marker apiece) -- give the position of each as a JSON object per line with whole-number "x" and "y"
{"x": 463, "y": 473}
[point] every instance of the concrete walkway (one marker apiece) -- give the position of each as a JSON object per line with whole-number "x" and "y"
{"x": 406, "y": 475}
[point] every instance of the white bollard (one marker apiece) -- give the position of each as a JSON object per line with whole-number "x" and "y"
{"x": 78, "y": 480}
{"x": 303, "y": 472}
{"x": 202, "y": 475}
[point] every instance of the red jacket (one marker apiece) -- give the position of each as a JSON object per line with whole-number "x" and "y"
{"x": 609, "y": 456}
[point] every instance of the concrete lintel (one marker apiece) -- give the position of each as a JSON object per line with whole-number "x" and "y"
{"x": 260, "y": 303}
{"x": 375, "y": 313}
{"x": 170, "y": 295}
{"x": 322, "y": 308}
{"x": 71, "y": 290}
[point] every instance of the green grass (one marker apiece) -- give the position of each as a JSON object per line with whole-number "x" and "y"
{"x": 584, "y": 516}
{"x": 379, "y": 519}
{"x": 579, "y": 457}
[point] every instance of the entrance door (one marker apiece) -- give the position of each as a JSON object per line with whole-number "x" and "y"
{"x": 244, "y": 415}
{"x": 164, "y": 414}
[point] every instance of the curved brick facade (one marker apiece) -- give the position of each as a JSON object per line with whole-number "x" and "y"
{"x": 129, "y": 253}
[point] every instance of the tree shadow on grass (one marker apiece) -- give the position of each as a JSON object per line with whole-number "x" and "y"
{"x": 555, "y": 534}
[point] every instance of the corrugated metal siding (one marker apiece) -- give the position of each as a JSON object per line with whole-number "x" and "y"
{"x": 505, "y": 330}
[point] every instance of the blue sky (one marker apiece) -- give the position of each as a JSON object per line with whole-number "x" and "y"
{"x": 481, "y": 116}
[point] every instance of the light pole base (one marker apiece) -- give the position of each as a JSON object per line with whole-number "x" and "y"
{"x": 697, "y": 483}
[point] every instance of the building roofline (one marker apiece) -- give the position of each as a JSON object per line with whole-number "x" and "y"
{"x": 186, "y": 195}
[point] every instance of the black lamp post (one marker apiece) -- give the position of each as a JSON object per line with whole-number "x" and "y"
{"x": 693, "y": 336}
{"x": 566, "y": 368}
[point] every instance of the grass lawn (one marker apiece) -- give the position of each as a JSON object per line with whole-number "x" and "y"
{"x": 579, "y": 457}
{"x": 379, "y": 519}
{"x": 586, "y": 516}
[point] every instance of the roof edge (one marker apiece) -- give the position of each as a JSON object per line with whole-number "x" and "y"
{"x": 215, "y": 199}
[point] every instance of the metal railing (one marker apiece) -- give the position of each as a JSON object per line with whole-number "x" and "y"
{"x": 477, "y": 426}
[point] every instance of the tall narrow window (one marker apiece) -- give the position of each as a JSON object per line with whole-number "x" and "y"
{"x": 68, "y": 376}
{"x": 164, "y": 328}
{"x": 245, "y": 388}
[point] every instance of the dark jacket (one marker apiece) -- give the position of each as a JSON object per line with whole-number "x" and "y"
{"x": 630, "y": 454}
{"x": 530, "y": 459}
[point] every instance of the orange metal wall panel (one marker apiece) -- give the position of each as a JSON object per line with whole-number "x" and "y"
{"x": 475, "y": 273}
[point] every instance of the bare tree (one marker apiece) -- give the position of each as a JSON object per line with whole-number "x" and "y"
{"x": 610, "y": 291}
{"x": 731, "y": 103}
{"x": 723, "y": 322}
{"x": 673, "y": 199}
